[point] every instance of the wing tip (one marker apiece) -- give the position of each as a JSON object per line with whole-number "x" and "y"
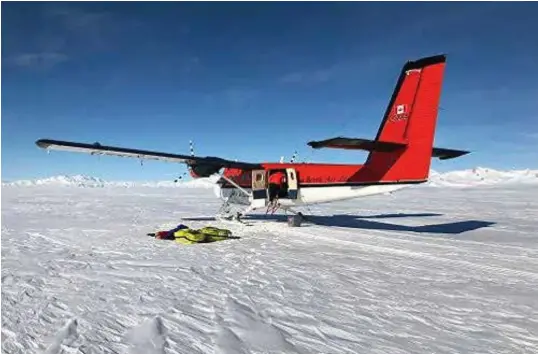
{"x": 43, "y": 143}
{"x": 450, "y": 154}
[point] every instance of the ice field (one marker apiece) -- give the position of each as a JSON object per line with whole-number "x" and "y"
{"x": 446, "y": 268}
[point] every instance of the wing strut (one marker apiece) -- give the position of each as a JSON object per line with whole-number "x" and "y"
{"x": 236, "y": 185}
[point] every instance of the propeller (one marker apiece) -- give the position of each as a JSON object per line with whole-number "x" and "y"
{"x": 180, "y": 177}
{"x": 191, "y": 146}
{"x": 184, "y": 174}
{"x": 294, "y": 156}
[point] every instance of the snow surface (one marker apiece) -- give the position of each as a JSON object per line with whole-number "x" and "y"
{"x": 425, "y": 270}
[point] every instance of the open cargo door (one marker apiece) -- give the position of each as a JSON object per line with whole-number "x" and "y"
{"x": 293, "y": 186}
{"x": 259, "y": 189}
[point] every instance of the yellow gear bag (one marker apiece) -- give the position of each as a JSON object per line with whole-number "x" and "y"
{"x": 188, "y": 236}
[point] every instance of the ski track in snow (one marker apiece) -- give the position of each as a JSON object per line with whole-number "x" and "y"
{"x": 426, "y": 270}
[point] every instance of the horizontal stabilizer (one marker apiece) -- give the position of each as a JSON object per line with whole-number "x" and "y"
{"x": 98, "y": 149}
{"x": 357, "y": 144}
{"x": 445, "y": 154}
{"x": 379, "y": 146}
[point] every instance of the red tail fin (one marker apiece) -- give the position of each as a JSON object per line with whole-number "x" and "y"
{"x": 410, "y": 120}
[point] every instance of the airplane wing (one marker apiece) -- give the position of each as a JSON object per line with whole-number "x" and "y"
{"x": 98, "y": 149}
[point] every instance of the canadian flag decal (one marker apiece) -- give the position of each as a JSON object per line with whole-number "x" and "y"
{"x": 400, "y": 109}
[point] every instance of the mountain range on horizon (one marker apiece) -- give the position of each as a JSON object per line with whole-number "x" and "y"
{"x": 468, "y": 177}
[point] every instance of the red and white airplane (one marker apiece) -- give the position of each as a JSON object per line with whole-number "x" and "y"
{"x": 399, "y": 156}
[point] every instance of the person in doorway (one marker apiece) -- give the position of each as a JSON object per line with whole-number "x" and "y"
{"x": 276, "y": 183}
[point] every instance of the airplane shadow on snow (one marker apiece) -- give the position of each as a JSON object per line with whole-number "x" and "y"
{"x": 362, "y": 222}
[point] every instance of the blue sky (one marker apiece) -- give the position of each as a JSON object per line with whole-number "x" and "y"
{"x": 256, "y": 81}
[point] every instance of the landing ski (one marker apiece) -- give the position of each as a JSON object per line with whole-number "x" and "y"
{"x": 233, "y": 220}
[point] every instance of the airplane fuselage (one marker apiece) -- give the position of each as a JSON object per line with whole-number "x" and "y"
{"x": 308, "y": 183}
{"x": 322, "y": 175}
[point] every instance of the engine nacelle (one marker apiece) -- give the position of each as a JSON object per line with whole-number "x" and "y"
{"x": 201, "y": 170}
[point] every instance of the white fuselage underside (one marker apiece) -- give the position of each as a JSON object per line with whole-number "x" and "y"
{"x": 313, "y": 195}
